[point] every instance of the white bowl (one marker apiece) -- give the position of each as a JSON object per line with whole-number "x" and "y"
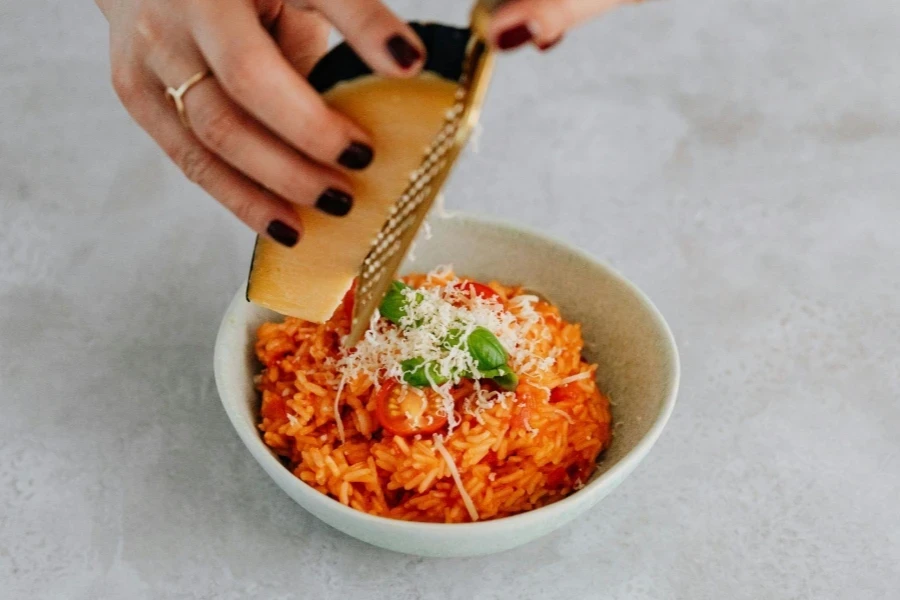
{"x": 623, "y": 332}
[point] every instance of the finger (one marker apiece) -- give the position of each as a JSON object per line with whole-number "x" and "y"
{"x": 542, "y": 22}
{"x": 254, "y": 73}
{"x": 387, "y": 44}
{"x": 261, "y": 210}
{"x": 302, "y": 36}
{"x": 230, "y": 133}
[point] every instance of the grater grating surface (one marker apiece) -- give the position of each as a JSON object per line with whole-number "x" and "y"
{"x": 406, "y": 217}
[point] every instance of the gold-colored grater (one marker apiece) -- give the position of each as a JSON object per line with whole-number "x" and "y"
{"x": 406, "y": 217}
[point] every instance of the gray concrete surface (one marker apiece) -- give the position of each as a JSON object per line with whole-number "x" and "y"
{"x": 738, "y": 160}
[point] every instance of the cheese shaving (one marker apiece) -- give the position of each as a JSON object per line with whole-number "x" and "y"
{"x": 483, "y": 399}
{"x": 565, "y": 415}
{"x": 531, "y": 430}
{"x": 454, "y": 472}
{"x": 573, "y": 378}
{"x": 337, "y": 410}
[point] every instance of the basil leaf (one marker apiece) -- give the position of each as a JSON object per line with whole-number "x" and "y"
{"x": 502, "y": 376}
{"x": 393, "y": 307}
{"x": 486, "y": 349}
{"x": 453, "y": 339}
{"x": 416, "y": 372}
{"x": 508, "y": 381}
{"x": 490, "y": 374}
{"x": 395, "y": 303}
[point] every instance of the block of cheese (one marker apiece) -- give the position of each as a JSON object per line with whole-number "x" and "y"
{"x": 403, "y": 116}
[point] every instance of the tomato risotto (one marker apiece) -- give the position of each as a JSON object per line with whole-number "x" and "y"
{"x": 464, "y": 401}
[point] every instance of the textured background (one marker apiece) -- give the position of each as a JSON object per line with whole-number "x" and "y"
{"x": 738, "y": 160}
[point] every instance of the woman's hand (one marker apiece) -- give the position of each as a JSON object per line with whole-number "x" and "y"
{"x": 259, "y": 137}
{"x": 542, "y": 22}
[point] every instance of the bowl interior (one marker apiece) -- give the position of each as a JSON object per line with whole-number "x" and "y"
{"x": 623, "y": 333}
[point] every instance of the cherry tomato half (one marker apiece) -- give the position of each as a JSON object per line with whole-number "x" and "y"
{"x": 479, "y": 289}
{"x": 405, "y": 410}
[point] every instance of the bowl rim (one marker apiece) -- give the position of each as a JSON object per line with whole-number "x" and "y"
{"x": 627, "y": 463}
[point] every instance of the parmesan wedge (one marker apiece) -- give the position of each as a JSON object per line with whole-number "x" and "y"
{"x": 403, "y": 116}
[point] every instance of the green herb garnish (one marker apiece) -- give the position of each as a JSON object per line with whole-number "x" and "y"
{"x": 483, "y": 346}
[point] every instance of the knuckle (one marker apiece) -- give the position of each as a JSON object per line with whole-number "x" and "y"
{"x": 125, "y": 83}
{"x": 240, "y": 72}
{"x": 325, "y": 133}
{"x": 303, "y": 183}
{"x": 324, "y": 120}
{"x": 249, "y": 208}
{"x": 216, "y": 127}
{"x": 196, "y": 163}
{"x": 372, "y": 16}
{"x": 245, "y": 209}
{"x": 148, "y": 24}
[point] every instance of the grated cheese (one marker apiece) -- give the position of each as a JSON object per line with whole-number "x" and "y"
{"x": 431, "y": 314}
{"x": 564, "y": 414}
{"x": 483, "y": 399}
{"x": 337, "y": 410}
{"x": 573, "y": 378}
{"x": 454, "y": 472}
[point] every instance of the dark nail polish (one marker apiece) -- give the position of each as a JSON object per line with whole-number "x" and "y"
{"x": 283, "y": 233}
{"x": 514, "y": 37}
{"x": 404, "y": 53}
{"x": 356, "y": 156}
{"x": 335, "y": 202}
{"x": 548, "y": 45}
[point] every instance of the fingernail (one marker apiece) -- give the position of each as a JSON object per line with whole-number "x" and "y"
{"x": 335, "y": 202}
{"x": 514, "y": 37}
{"x": 283, "y": 233}
{"x": 356, "y": 156}
{"x": 548, "y": 45}
{"x": 404, "y": 53}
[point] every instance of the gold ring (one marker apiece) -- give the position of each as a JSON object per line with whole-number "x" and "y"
{"x": 177, "y": 94}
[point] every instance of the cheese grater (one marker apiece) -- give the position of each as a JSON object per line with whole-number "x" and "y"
{"x": 406, "y": 217}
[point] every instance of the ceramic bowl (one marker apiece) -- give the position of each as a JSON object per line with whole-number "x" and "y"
{"x": 623, "y": 332}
